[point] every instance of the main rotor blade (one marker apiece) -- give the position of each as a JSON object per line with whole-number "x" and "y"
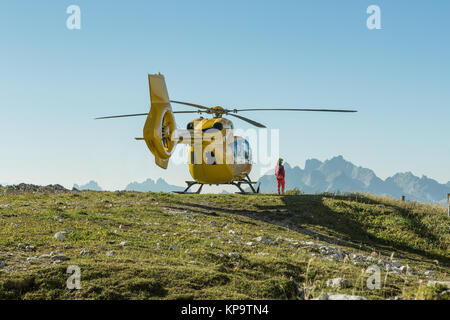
{"x": 318, "y": 110}
{"x": 191, "y": 104}
{"x": 123, "y": 116}
{"x": 140, "y": 114}
{"x": 198, "y": 111}
{"x": 257, "y": 124}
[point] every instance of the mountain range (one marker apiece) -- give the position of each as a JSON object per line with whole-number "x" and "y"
{"x": 159, "y": 185}
{"x": 340, "y": 175}
{"x": 334, "y": 175}
{"x": 91, "y": 185}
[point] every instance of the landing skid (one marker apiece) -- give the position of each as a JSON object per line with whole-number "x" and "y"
{"x": 237, "y": 183}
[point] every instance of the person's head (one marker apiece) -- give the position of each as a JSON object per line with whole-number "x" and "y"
{"x": 280, "y": 161}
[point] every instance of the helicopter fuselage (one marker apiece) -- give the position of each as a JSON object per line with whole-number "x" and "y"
{"x": 216, "y": 155}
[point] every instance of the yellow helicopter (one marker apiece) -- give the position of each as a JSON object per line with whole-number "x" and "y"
{"x": 216, "y": 155}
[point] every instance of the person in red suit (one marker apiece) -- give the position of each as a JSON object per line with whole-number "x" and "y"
{"x": 279, "y": 174}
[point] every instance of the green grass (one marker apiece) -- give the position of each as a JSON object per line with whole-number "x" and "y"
{"x": 416, "y": 234}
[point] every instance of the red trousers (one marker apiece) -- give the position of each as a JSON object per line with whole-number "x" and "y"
{"x": 280, "y": 184}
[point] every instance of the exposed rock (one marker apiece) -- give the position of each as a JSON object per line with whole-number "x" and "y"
{"x": 30, "y": 248}
{"x": 60, "y": 236}
{"x": 234, "y": 255}
{"x": 124, "y": 243}
{"x": 158, "y": 246}
{"x": 339, "y": 255}
{"x": 382, "y": 263}
{"x": 428, "y": 273}
{"x": 263, "y": 240}
{"x": 262, "y": 254}
{"x": 60, "y": 257}
{"x": 409, "y": 271}
{"x": 31, "y": 188}
{"x": 396, "y": 264}
{"x": 232, "y": 232}
{"x": 332, "y": 296}
{"x": 281, "y": 239}
{"x": 250, "y": 244}
{"x": 59, "y": 219}
{"x": 338, "y": 283}
{"x": 304, "y": 292}
{"x": 182, "y": 213}
{"x": 85, "y": 252}
{"x": 212, "y": 245}
{"x": 32, "y": 259}
{"x": 434, "y": 283}
{"x": 110, "y": 253}
{"x": 174, "y": 247}
{"x": 26, "y": 247}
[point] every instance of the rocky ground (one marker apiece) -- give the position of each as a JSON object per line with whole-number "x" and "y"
{"x": 31, "y": 188}
{"x": 151, "y": 246}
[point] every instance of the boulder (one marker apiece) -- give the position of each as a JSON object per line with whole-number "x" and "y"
{"x": 234, "y": 255}
{"x": 332, "y": 296}
{"x": 60, "y": 236}
{"x": 338, "y": 283}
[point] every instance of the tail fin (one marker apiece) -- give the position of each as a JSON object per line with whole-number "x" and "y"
{"x": 160, "y": 122}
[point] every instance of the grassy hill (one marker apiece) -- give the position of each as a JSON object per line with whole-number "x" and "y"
{"x": 132, "y": 245}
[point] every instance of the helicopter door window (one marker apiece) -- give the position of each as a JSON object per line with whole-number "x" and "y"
{"x": 234, "y": 147}
{"x": 239, "y": 152}
{"x": 247, "y": 151}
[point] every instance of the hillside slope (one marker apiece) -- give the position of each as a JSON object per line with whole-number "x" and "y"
{"x": 132, "y": 245}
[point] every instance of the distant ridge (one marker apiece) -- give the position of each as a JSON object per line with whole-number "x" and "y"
{"x": 91, "y": 185}
{"x": 338, "y": 174}
{"x": 150, "y": 185}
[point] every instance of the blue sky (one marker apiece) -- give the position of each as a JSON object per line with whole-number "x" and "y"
{"x": 54, "y": 81}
